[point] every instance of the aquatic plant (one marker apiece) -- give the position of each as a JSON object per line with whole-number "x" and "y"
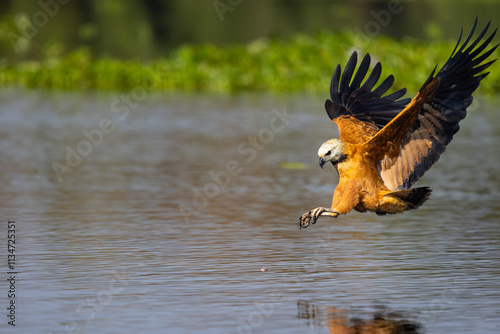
{"x": 297, "y": 64}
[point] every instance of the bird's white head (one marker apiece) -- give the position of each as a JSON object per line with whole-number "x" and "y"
{"x": 333, "y": 151}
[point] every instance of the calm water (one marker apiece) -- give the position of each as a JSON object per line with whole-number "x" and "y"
{"x": 164, "y": 218}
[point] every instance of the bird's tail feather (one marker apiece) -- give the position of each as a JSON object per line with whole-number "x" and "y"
{"x": 414, "y": 198}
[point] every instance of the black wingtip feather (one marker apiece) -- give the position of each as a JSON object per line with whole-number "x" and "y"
{"x": 397, "y": 94}
{"x": 351, "y": 98}
{"x": 360, "y": 74}
{"x": 384, "y": 86}
{"x": 480, "y": 48}
{"x": 470, "y": 35}
{"x": 479, "y": 38}
{"x": 431, "y": 76}
{"x": 458, "y": 42}
{"x": 334, "y": 84}
{"x": 372, "y": 78}
{"x": 348, "y": 72}
{"x": 330, "y": 110}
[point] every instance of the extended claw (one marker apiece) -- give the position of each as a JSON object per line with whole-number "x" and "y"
{"x": 304, "y": 220}
{"x": 316, "y": 213}
{"x": 312, "y": 216}
{"x": 302, "y": 225}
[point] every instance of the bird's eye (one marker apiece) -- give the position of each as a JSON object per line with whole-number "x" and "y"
{"x": 329, "y": 152}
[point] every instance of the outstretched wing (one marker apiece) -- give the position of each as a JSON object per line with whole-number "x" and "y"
{"x": 407, "y": 147}
{"x": 358, "y": 111}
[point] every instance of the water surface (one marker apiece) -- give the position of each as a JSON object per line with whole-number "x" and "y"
{"x": 168, "y": 219}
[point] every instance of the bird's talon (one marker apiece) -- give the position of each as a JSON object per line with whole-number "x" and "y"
{"x": 302, "y": 222}
{"x": 311, "y": 217}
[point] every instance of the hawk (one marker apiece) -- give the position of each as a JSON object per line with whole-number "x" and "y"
{"x": 386, "y": 143}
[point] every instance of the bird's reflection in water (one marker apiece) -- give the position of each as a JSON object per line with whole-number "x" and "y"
{"x": 341, "y": 321}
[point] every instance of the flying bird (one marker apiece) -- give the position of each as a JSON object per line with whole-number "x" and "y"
{"x": 387, "y": 143}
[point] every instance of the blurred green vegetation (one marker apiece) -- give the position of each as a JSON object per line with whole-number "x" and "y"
{"x": 258, "y": 45}
{"x": 301, "y": 63}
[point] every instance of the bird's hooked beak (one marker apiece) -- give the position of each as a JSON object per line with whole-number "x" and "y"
{"x": 322, "y": 162}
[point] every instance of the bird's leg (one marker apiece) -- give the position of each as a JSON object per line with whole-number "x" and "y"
{"x": 312, "y": 216}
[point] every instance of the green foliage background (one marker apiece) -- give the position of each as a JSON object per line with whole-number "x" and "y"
{"x": 297, "y": 64}
{"x": 276, "y": 46}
